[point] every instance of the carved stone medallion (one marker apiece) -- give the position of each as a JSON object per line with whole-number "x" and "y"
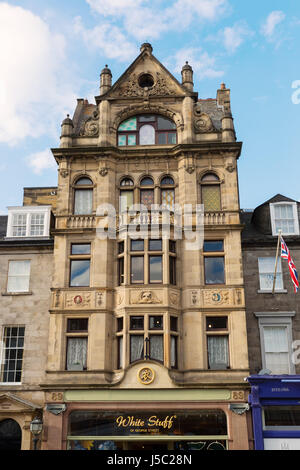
{"x": 146, "y": 375}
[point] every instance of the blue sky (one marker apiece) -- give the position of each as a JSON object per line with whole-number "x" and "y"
{"x": 52, "y": 52}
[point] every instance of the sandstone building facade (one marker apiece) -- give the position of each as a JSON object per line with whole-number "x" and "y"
{"x": 147, "y": 343}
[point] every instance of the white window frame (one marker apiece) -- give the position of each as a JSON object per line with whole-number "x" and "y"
{"x": 283, "y": 319}
{"x": 280, "y": 290}
{"x": 10, "y": 276}
{"x": 2, "y": 355}
{"x": 295, "y": 215}
{"x": 29, "y": 211}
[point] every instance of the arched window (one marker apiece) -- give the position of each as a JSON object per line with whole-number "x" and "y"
{"x": 126, "y": 194}
{"x": 10, "y": 435}
{"x": 167, "y": 192}
{"x": 83, "y": 197}
{"x": 148, "y": 129}
{"x": 210, "y": 192}
{"x": 147, "y": 192}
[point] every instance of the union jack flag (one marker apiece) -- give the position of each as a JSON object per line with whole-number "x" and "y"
{"x": 285, "y": 254}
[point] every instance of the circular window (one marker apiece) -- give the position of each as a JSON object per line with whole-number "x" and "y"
{"x": 146, "y": 80}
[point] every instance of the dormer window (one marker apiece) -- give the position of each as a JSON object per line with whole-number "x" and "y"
{"x": 284, "y": 217}
{"x": 149, "y": 129}
{"x": 28, "y": 221}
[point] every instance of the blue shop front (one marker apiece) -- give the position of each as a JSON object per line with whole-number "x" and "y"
{"x": 275, "y": 405}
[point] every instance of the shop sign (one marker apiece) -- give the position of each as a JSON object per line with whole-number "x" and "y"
{"x": 149, "y": 425}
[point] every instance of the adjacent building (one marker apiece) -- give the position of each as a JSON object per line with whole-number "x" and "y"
{"x": 273, "y": 323}
{"x": 26, "y": 254}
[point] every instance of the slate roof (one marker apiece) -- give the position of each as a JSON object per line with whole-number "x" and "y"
{"x": 3, "y": 225}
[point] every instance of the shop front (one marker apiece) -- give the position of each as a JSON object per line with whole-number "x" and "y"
{"x": 275, "y": 405}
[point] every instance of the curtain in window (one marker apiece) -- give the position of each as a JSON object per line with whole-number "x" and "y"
{"x": 276, "y": 349}
{"x": 218, "y": 352}
{"x": 136, "y": 347}
{"x": 156, "y": 348}
{"x": 126, "y": 200}
{"x": 77, "y": 352}
{"x": 147, "y": 135}
{"x": 83, "y": 201}
{"x": 18, "y": 276}
{"x": 173, "y": 358}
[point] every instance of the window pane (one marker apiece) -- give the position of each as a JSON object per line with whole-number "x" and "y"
{"x": 282, "y": 415}
{"x": 211, "y": 198}
{"x": 166, "y": 181}
{"x": 120, "y": 324}
{"x": 156, "y": 323}
{"x": 77, "y": 249}
{"x": 12, "y": 353}
{"x": 168, "y": 198}
{"x": 128, "y": 125}
{"x": 162, "y": 138}
{"x": 147, "y": 181}
{"x": 147, "y": 118}
{"x": 77, "y": 353}
{"x": 172, "y": 265}
{"x": 19, "y": 225}
{"x": 171, "y": 138}
{"x": 121, "y": 140}
{"x": 120, "y": 352}
{"x": 155, "y": 268}
{"x": 173, "y": 358}
{"x": 147, "y": 197}
{"x": 137, "y": 245}
{"x": 156, "y": 347}
{"x": 174, "y": 324}
{"x": 126, "y": 200}
{"x": 80, "y": 273}
{"x": 120, "y": 271}
{"x": 18, "y": 276}
{"x": 214, "y": 270}
{"x": 165, "y": 124}
{"x": 136, "y": 347}
{"x": 77, "y": 324}
{"x": 276, "y": 349}
{"x": 83, "y": 201}
{"x": 213, "y": 245}
{"x": 147, "y": 135}
{"x": 217, "y": 352}
{"x": 155, "y": 245}
{"x": 172, "y": 246}
{"x": 126, "y": 182}
{"x": 216, "y": 323}
{"x": 131, "y": 139}
{"x": 37, "y": 224}
{"x": 84, "y": 181}
{"x": 137, "y": 269}
{"x": 266, "y": 268}
{"x": 284, "y": 218}
{"x": 136, "y": 323}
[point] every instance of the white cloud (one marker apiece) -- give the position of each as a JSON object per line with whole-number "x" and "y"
{"x": 274, "y": 18}
{"x": 41, "y": 161}
{"x": 108, "y": 39}
{"x": 234, "y": 36}
{"x": 203, "y": 64}
{"x": 145, "y": 19}
{"x": 34, "y": 89}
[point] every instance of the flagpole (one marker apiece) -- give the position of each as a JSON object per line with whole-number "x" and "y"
{"x": 276, "y": 261}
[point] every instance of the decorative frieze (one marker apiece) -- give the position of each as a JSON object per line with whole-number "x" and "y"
{"x": 71, "y": 300}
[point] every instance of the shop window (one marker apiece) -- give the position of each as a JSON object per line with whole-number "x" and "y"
{"x": 12, "y": 354}
{"x": 18, "y": 276}
{"x": 77, "y": 341}
{"x": 284, "y": 217}
{"x": 80, "y": 260}
{"x": 266, "y": 267}
{"x": 217, "y": 343}
{"x": 281, "y": 417}
{"x": 147, "y": 130}
{"x": 83, "y": 196}
{"x": 211, "y": 193}
{"x": 214, "y": 262}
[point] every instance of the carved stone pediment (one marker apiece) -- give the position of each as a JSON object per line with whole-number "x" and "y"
{"x": 15, "y": 404}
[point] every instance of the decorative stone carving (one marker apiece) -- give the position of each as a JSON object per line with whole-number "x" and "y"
{"x": 90, "y": 127}
{"x": 64, "y": 173}
{"x": 220, "y": 297}
{"x": 82, "y": 300}
{"x": 132, "y": 87}
{"x": 149, "y": 108}
{"x": 195, "y": 300}
{"x": 99, "y": 298}
{"x": 146, "y": 297}
{"x": 103, "y": 171}
{"x": 203, "y": 123}
{"x": 174, "y": 298}
{"x": 230, "y": 165}
{"x": 57, "y": 299}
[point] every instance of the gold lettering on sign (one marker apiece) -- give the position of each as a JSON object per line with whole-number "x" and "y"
{"x": 153, "y": 421}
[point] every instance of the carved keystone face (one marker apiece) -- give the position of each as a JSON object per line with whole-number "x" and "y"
{"x": 146, "y": 296}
